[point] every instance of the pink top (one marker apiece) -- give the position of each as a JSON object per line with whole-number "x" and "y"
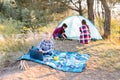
{"x": 57, "y": 31}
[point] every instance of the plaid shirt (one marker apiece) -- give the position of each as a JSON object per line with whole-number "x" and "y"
{"x": 85, "y": 34}
{"x": 46, "y": 46}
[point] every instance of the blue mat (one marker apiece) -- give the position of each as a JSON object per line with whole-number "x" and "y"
{"x": 68, "y": 61}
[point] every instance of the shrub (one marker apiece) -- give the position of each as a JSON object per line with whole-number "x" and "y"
{"x": 100, "y": 24}
{"x": 115, "y": 28}
{"x": 10, "y": 26}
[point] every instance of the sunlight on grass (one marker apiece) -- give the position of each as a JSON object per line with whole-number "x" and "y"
{"x": 107, "y": 58}
{"x": 104, "y": 55}
{"x": 10, "y": 48}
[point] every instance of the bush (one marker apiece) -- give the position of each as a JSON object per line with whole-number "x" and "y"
{"x": 100, "y": 24}
{"x": 115, "y": 28}
{"x": 10, "y": 26}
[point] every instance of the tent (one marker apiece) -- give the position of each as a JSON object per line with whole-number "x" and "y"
{"x": 73, "y": 23}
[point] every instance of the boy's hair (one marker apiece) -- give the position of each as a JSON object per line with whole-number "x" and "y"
{"x": 47, "y": 33}
{"x": 64, "y": 25}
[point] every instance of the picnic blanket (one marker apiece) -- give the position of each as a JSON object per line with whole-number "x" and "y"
{"x": 67, "y": 61}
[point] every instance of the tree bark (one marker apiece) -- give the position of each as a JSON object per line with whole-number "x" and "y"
{"x": 1, "y": 5}
{"x": 90, "y": 4}
{"x": 107, "y": 19}
{"x": 77, "y": 6}
{"x": 80, "y": 8}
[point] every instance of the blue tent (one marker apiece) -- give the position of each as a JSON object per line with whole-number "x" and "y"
{"x": 74, "y": 22}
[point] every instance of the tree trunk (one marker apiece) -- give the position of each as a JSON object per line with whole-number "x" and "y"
{"x": 90, "y": 4}
{"x": 1, "y": 5}
{"x": 80, "y": 8}
{"x": 107, "y": 19}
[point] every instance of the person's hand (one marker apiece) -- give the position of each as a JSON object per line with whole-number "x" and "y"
{"x": 64, "y": 37}
{"x": 56, "y": 38}
{"x": 42, "y": 51}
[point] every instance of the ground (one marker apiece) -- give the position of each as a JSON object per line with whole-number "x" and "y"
{"x": 104, "y": 64}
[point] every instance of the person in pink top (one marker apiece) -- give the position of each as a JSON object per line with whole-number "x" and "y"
{"x": 60, "y": 32}
{"x": 84, "y": 33}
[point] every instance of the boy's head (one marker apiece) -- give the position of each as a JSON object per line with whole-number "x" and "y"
{"x": 47, "y": 35}
{"x": 64, "y": 26}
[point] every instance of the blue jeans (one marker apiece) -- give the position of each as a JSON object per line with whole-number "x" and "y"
{"x": 59, "y": 35}
{"x": 49, "y": 53}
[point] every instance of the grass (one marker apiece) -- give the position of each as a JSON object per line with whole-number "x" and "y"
{"x": 104, "y": 55}
{"x": 11, "y": 49}
{"x": 48, "y": 28}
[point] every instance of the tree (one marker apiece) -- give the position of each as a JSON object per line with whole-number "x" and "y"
{"x": 107, "y": 19}
{"x": 1, "y": 5}
{"x": 113, "y": 2}
{"x": 90, "y": 4}
{"x": 74, "y": 5}
{"x": 38, "y": 11}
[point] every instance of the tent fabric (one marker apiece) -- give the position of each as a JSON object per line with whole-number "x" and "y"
{"x": 67, "y": 61}
{"x": 74, "y": 22}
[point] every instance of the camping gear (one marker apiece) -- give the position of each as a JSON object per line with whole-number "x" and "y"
{"x": 73, "y": 23}
{"x": 68, "y": 61}
{"x": 36, "y": 54}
